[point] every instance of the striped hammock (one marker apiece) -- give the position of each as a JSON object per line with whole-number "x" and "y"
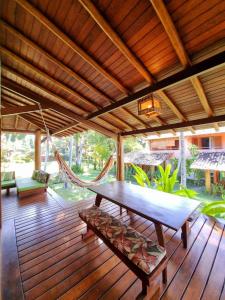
{"x": 74, "y": 179}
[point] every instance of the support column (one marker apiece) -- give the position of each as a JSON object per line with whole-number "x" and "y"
{"x": 37, "y": 151}
{"x": 216, "y": 177}
{"x": 120, "y": 161}
{"x": 207, "y": 181}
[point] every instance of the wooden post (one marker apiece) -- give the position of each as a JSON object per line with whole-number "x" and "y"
{"x": 37, "y": 152}
{"x": 120, "y": 162}
{"x": 207, "y": 181}
{"x": 216, "y": 176}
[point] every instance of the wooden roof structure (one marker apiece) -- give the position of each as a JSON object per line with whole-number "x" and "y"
{"x": 214, "y": 161}
{"x": 88, "y": 62}
{"x": 146, "y": 158}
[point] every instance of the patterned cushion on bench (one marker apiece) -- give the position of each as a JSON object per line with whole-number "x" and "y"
{"x": 143, "y": 252}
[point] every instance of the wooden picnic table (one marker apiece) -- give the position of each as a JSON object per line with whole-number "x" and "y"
{"x": 161, "y": 208}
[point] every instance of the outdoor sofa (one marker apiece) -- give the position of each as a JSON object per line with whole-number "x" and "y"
{"x": 8, "y": 181}
{"x": 37, "y": 184}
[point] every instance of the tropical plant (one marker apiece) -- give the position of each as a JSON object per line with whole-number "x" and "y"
{"x": 165, "y": 182}
{"x": 141, "y": 177}
{"x": 215, "y": 208}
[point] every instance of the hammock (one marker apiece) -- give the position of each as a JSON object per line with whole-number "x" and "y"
{"x": 66, "y": 169}
{"x": 75, "y": 180}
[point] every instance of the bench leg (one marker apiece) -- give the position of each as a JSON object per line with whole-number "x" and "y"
{"x": 7, "y": 191}
{"x": 150, "y": 292}
{"x": 164, "y": 276}
{"x": 88, "y": 233}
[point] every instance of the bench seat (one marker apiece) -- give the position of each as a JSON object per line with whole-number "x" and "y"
{"x": 143, "y": 252}
{"x": 142, "y": 256}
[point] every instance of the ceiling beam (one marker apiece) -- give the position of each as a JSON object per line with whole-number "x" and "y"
{"x": 52, "y": 59}
{"x": 171, "y": 105}
{"x": 57, "y": 83}
{"x": 70, "y": 43}
{"x": 52, "y": 105}
{"x": 68, "y": 104}
{"x": 17, "y": 110}
{"x": 123, "y": 48}
{"x": 179, "y": 48}
{"x": 116, "y": 39}
{"x": 199, "y": 68}
{"x": 66, "y": 69}
{"x": 187, "y": 124}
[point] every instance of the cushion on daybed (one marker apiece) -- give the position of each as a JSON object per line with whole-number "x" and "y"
{"x": 143, "y": 252}
{"x": 7, "y": 176}
{"x": 8, "y": 184}
{"x": 40, "y": 176}
{"x": 26, "y": 184}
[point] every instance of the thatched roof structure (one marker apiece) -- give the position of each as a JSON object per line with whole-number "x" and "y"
{"x": 146, "y": 158}
{"x": 88, "y": 62}
{"x": 210, "y": 161}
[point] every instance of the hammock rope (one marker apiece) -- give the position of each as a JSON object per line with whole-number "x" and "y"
{"x": 65, "y": 169}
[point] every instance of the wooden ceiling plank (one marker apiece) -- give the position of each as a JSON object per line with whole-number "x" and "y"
{"x": 46, "y": 77}
{"x": 70, "y": 43}
{"x": 119, "y": 43}
{"x": 63, "y": 67}
{"x": 59, "y": 64}
{"x": 16, "y": 110}
{"x": 171, "y": 105}
{"x": 116, "y": 39}
{"x": 211, "y": 63}
{"x": 47, "y": 91}
{"x": 179, "y": 48}
{"x": 52, "y": 105}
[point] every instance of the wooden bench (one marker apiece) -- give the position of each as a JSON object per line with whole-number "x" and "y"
{"x": 145, "y": 258}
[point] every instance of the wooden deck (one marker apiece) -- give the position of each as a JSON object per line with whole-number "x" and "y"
{"x": 45, "y": 258}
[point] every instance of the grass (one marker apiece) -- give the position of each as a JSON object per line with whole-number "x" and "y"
{"x": 75, "y": 193}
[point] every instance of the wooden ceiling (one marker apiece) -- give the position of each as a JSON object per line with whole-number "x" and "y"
{"x": 77, "y": 57}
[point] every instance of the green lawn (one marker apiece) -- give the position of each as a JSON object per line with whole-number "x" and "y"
{"x": 76, "y": 193}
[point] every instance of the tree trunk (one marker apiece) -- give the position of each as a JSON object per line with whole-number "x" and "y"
{"x": 71, "y": 151}
{"x": 79, "y": 149}
{"x": 182, "y": 160}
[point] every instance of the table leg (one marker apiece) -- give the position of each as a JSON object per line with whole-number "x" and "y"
{"x": 98, "y": 200}
{"x": 184, "y": 234}
{"x": 159, "y": 233}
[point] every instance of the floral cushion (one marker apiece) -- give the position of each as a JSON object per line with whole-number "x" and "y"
{"x": 40, "y": 176}
{"x": 7, "y": 176}
{"x": 143, "y": 252}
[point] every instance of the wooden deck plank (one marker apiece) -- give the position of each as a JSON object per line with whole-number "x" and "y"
{"x": 54, "y": 262}
{"x": 198, "y": 281}
{"x": 11, "y": 287}
{"x": 216, "y": 278}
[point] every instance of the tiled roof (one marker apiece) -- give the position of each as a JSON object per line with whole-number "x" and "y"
{"x": 210, "y": 161}
{"x": 145, "y": 158}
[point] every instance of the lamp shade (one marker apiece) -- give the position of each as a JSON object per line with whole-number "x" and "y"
{"x": 149, "y": 106}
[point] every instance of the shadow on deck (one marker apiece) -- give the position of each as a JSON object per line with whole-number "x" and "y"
{"x": 45, "y": 258}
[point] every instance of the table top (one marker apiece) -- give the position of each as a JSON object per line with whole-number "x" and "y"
{"x": 164, "y": 208}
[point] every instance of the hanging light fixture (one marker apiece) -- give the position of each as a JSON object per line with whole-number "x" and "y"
{"x": 149, "y": 106}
